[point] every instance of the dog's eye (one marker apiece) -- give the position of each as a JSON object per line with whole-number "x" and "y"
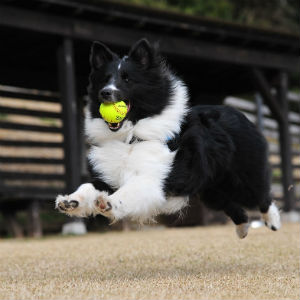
{"x": 125, "y": 77}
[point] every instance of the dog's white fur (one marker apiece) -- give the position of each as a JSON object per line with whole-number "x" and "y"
{"x": 242, "y": 230}
{"x": 86, "y": 195}
{"x": 272, "y": 217}
{"x": 137, "y": 171}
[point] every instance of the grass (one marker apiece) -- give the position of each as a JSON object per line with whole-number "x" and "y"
{"x": 189, "y": 263}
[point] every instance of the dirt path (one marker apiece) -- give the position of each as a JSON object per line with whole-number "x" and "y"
{"x": 196, "y": 263}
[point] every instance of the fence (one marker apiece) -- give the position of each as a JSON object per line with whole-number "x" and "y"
{"x": 31, "y": 143}
{"x": 33, "y": 153}
{"x": 32, "y": 148}
{"x": 260, "y": 114}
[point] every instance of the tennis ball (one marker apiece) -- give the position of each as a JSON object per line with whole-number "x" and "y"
{"x": 113, "y": 112}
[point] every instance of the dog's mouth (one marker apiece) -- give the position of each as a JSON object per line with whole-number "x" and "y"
{"x": 117, "y": 126}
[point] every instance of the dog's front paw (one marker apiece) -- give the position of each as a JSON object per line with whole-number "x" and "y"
{"x": 104, "y": 206}
{"x": 66, "y": 205}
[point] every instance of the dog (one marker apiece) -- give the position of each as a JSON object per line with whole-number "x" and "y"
{"x": 165, "y": 151}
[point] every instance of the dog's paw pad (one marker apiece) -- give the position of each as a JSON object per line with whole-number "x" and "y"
{"x": 103, "y": 205}
{"x": 66, "y": 205}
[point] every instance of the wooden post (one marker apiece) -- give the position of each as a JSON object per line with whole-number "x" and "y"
{"x": 285, "y": 144}
{"x": 69, "y": 110}
{"x": 265, "y": 90}
{"x": 35, "y": 225}
{"x": 13, "y": 227}
{"x": 279, "y": 109}
{"x": 259, "y": 112}
{"x": 82, "y": 142}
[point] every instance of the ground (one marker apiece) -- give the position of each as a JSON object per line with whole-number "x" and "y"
{"x": 188, "y": 263}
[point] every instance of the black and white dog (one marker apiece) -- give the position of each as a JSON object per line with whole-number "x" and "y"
{"x": 165, "y": 151}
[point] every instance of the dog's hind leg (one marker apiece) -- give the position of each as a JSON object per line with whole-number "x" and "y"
{"x": 239, "y": 218}
{"x": 270, "y": 214}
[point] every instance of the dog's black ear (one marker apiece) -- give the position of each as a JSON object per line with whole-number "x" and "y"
{"x": 142, "y": 53}
{"x": 100, "y": 54}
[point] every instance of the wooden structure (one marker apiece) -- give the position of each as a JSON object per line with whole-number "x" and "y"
{"x": 45, "y": 48}
{"x": 261, "y": 115}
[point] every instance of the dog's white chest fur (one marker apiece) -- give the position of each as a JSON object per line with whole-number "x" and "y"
{"x": 117, "y": 162}
{"x": 137, "y": 172}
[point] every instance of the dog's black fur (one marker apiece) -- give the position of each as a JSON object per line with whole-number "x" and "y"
{"x": 144, "y": 79}
{"x": 220, "y": 153}
{"x": 223, "y": 157}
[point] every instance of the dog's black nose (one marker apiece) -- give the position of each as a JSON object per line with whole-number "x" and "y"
{"x": 106, "y": 93}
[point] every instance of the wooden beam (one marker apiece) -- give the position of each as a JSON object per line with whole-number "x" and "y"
{"x": 265, "y": 90}
{"x": 124, "y": 37}
{"x": 69, "y": 111}
{"x": 285, "y": 145}
{"x": 31, "y": 176}
{"x": 21, "y": 93}
{"x": 36, "y": 79}
{"x": 31, "y": 144}
{"x": 39, "y": 128}
{"x": 24, "y": 193}
{"x": 34, "y": 221}
{"x": 30, "y": 160}
{"x": 174, "y": 22}
{"x": 29, "y": 112}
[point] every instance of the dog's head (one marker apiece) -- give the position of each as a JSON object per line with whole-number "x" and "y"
{"x": 140, "y": 79}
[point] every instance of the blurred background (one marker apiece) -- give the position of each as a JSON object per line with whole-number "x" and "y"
{"x": 240, "y": 53}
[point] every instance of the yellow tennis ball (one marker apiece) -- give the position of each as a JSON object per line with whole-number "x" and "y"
{"x": 113, "y": 112}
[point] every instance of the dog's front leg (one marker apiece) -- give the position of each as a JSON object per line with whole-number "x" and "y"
{"x": 140, "y": 198}
{"x": 81, "y": 203}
